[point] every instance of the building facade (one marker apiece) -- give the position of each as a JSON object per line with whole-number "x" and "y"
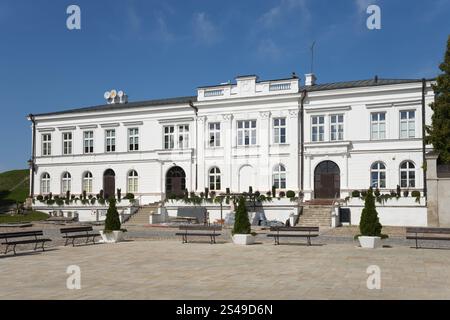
{"x": 325, "y": 140}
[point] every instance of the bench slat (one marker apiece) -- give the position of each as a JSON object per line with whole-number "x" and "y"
{"x": 75, "y": 229}
{"x": 427, "y": 238}
{"x": 199, "y": 228}
{"x": 305, "y": 229}
{"x": 427, "y": 230}
{"x": 198, "y": 234}
{"x": 26, "y": 241}
{"x": 293, "y": 235}
{"x": 21, "y": 234}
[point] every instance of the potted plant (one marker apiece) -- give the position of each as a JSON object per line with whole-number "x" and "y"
{"x": 241, "y": 233}
{"x": 112, "y": 232}
{"x": 369, "y": 225}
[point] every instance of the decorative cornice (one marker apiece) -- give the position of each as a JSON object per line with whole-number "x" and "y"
{"x": 293, "y": 113}
{"x": 133, "y": 123}
{"x": 45, "y": 129}
{"x": 174, "y": 120}
{"x": 110, "y": 125}
{"x": 71, "y": 128}
{"x": 201, "y": 119}
{"x": 228, "y": 116}
{"x": 88, "y": 126}
{"x": 264, "y": 114}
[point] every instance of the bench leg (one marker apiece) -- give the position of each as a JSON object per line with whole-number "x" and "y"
{"x": 14, "y": 249}
{"x": 73, "y": 242}
{"x": 7, "y": 247}
{"x": 309, "y": 241}
{"x": 67, "y": 242}
{"x": 35, "y": 246}
{"x": 43, "y": 246}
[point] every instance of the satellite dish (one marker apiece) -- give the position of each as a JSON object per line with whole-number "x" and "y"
{"x": 113, "y": 94}
{"x": 120, "y": 94}
{"x": 107, "y": 95}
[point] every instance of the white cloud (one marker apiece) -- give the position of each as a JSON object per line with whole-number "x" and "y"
{"x": 276, "y": 14}
{"x": 134, "y": 20}
{"x": 205, "y": 32}
{"x": 361, "y": 5}
{"x": 268, "y": 49}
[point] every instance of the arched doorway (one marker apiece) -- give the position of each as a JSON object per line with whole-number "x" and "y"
{"x": 246, "y": 178}
{"x": 327, "y": 180}
{"x": 175, "y": 181}
{"x": 109, "y": 183}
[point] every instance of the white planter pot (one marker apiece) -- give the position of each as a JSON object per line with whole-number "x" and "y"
{"x": 243, "y": 239}
{"x": 369, "y": 242}
{"x": 111, "y": 237}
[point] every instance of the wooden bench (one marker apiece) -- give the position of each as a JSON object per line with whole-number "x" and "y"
{"x": 293, "y": 232}
{"x": 421, "y": 233}
{"x": 74, "y": 233}
{"x": 34, "y": 235}
{"x": 202, "y": 231}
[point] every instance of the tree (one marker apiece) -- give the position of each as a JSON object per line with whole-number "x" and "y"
{"x": 369, "y": 224}
{"x": 241, "y": 222}
{"x": 439, "y": 131}
{"x": 112, "y": 222}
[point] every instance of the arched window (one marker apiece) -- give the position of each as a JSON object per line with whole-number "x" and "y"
{"x": 87, "y": 182}
{"x": 45, "y": 183}
{"x": 66, "y": 182}
{"x": 407, "y": 175}
{"x": 378, "y": 175}
{"x": 279, "y": 177}
{"x": 214, "y": 179}
{"x": 132, "y": 185}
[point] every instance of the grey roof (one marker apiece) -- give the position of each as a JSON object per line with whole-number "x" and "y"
{"x": 357, "y": 84}
{"x": 185, "y": 100}
{"x": 107, "y": 107}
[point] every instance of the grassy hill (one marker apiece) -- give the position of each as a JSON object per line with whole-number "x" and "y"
{"x": 14, "y": 186}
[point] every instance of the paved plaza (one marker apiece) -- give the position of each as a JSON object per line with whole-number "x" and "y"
{"x": 168, "y": 269}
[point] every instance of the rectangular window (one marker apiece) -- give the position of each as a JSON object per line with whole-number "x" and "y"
{"x": 183, "y": 136}
{"x": 67, "y": 143}
{"x": 169, "y": 137}
{"x": 407, "y": 124}
{"x": 317, "y": 128}
{"x": 133, "y": 139}
{"x": 88, "y": 141}
{"x": 378, "y": 126}
{"x": 214, "y": 134}
{"x": 47, "y": 144}
{"x": 246, "y": 131}
{"x": 337, "y": 127}
{"x": 110, "y": 140}
{"x": 279, "y": 130}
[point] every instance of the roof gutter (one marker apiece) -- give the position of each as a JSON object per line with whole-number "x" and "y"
{"x": 191, "y": 104}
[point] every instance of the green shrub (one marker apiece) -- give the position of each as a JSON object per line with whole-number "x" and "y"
{"x": 93, "y": 200}
{"x": 250, "y": 190}
{"x": 269, "y": 194}
{"x": 206, "y": 193}
{"x": 129, "y": 196}
{"x": 241, "y": 222}
{"x": 356, "y": 193}
{"x": 369, "y": 224}
{"x": 406, "y": 193}
{"x": 59, "y": 201}
{"x": 290, "y": 194}
{"x": 119, "y": 194}
{"x": 40, "y": 198}
{"x": 101, "y": 201}
{"x": 282, "y": 194}
{"x": 274, "y": 191}
{"x": 112, "y": 221}
{"x": 416, "y": 194}
{"x": 399, "y": 192}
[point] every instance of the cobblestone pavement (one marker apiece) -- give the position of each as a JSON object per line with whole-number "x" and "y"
{"x": 161, "y": 269}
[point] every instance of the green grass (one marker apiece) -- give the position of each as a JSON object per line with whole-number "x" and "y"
{"x": 30, "y": 217}
{"x": 14, "y": 186}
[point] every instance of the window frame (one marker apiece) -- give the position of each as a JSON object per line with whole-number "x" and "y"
{"x": 46, "y": 145}
{"x": 408, "y": 171}
{"x": 133, "y": 139}
{"x": 132, "y": 181}
{"x": 215, "y": 133}
{"x": 110, "y": 141}
{"x": 279, "y": 176}
{"x": 252, "y": 133}
{"x": 277, "y": 130}
{"x": 67, "y": 144}
{"x": 339, "y": 125}
{"x": 90, "y": 140}
{"x": 408, "y": 122}
{"x": 378, "y": 123}
{"x": 318, "y": 125}
{"x": 89, "y": 181}
{"x": 46, "y": 189}
{"x": 379, "y": 172}
{"x": 66, "y": 182}
{"x": 216, "y": 183}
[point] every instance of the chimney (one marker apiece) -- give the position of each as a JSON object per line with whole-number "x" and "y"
{"x": 310, "y": 79}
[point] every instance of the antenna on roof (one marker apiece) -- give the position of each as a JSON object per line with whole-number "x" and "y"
{"x": 312, "y": 56}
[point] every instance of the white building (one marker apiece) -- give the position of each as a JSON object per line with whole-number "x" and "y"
{"x": 324, "y": 139}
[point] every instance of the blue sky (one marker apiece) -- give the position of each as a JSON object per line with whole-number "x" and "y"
{"x": 157, "y": 49}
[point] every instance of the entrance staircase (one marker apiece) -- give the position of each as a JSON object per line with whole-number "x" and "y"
{"x": 142, "y": 216}
{"x": 316, "y": 213}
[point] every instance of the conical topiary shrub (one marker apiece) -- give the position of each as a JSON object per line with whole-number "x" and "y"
{"x": 369, "y": 224}
{"x": 241, "y": 222}
{"x": 112, "y": 222}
